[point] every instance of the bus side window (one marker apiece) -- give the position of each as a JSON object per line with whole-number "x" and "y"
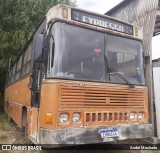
{"x": 26, "y": 69}
{"x": 10, "y": 73}
{"x": 28, "y": 53}
{"x": 51, "y": 53}
{"x": 26, "y": 60}
{"x": 13, "y": 73}
{"x": 18, "y": 70}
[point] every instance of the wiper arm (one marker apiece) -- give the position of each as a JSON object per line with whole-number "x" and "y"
{"x": 112, "y": 70}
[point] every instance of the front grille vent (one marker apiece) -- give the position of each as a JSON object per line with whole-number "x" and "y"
{"x": 88, "y": 97}
{"x": 105, "y": 117}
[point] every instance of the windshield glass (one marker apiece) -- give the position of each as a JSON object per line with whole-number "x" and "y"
{"x": 79, "y": 53}
{"x": 125, "y": 56}
{"x": 85, "y": 54}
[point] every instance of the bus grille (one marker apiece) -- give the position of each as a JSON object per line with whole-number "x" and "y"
{"x": 91, "y": 97}
{"x": 106, "y": 117}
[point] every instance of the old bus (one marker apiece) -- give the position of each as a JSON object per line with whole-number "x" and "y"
{"x": 79, "y": 80}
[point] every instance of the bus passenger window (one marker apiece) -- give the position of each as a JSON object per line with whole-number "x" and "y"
{"x": 19, "y": 63}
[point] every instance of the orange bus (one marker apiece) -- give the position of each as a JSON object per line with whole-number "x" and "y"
{"x": 80, "y": 80}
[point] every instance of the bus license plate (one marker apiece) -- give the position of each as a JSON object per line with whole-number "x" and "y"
{"x": 109, "y": 133}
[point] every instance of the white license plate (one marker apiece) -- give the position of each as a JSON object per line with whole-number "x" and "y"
{"x": 108, "y": 133}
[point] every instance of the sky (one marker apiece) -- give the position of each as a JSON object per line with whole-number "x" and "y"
{"x": 155, "y": 47}
{"x": 102, "y": 6}
{"x": 99, "y": 6}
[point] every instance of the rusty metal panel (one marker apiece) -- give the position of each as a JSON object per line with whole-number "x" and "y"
{"x": 33, "y": 123}
{"x": 87, "y": 97}
{"x": 100, "y": 106}
{"x": 15, "y": 112}
{"x": 15, "y": 93}
{"x": 63, "y": 96}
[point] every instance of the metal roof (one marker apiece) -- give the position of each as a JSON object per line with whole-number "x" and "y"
{"x": 157, "y": 23}
{"x": 116, "y": 7}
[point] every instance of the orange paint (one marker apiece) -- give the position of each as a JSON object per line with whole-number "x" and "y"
{"x": 86, "y": 98}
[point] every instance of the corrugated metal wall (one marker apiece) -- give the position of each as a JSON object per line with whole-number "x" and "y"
{"x": 141, "y": 13}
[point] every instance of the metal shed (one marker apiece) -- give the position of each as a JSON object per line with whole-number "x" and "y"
{"x": 156, "y": 76}
{"x": 146, "y": 14}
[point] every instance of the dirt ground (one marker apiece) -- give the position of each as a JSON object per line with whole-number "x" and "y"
{"x": 11, "y": 134}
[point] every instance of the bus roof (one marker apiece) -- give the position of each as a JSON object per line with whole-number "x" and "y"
{"x": 81, "y": 16}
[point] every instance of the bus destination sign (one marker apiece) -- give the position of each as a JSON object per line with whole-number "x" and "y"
{"x": 101, "y": 22}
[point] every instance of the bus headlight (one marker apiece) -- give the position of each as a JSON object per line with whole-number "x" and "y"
{"x": 132, "y": 116}
{"x": 63, "y": 118}
{"x": 140, "y": 116}
{"x": 76, "y": 117}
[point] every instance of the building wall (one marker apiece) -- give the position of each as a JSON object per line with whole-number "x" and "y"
{"x": 156, "y": 74}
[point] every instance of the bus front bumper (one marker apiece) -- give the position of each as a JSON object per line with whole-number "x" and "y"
{"x": 90, "y": 135}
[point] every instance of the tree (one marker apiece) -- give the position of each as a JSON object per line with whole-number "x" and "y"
{"x": 18, "y": 20}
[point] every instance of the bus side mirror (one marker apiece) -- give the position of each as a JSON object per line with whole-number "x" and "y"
{"x": 38, "y": 45}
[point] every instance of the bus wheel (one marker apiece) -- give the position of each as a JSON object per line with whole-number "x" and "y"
{"x": 26, "y": 133}
{"x": 27, "y": 140}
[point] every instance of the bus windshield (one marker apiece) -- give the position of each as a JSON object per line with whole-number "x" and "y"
{"x": 84, "y": 54}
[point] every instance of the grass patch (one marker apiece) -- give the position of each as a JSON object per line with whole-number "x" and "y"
{"x": 4, "y": 126}
{"x": 3, "y": 137}
{"x": 6, "y": 151}
{"x": 3, "y": 117}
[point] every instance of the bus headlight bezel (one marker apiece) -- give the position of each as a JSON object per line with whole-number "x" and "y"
{"x": 76, "y": 117}
{"x": 140, "y": 116}
{"x": 64, "y": 118}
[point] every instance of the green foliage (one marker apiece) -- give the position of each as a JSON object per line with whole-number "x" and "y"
{"x": 18, "y": 20}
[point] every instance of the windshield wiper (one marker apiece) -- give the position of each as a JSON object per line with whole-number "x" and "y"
{"x": 114, "y": 72}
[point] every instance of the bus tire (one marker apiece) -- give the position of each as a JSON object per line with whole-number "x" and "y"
{"x": 27, "y": 140}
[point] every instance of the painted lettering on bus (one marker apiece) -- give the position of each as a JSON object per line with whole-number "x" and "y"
{"x": 102, "y": 23}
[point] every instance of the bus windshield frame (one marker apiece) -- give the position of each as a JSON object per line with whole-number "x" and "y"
{"x": 78, "y": 53}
